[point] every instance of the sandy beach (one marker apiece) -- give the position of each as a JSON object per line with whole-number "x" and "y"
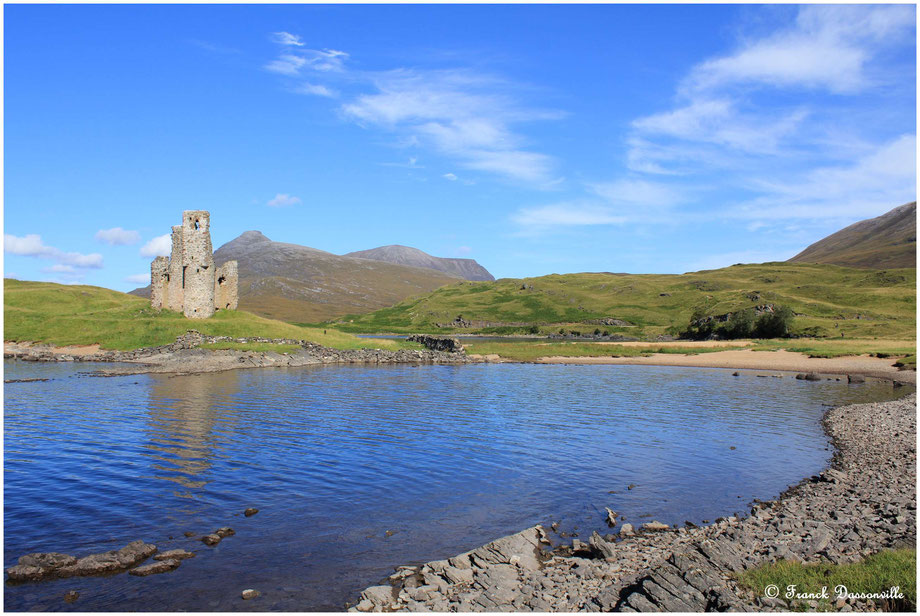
{"x": 764, "y": 361}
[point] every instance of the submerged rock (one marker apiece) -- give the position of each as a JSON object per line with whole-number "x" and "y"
{"x": 174, "y": 555}
{"x": 225, "y": 531}
{"x": 250, "y": 512}
{"x": 160, "y": 566}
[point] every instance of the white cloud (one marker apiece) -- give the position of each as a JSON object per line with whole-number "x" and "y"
{"x": 827, "y": 47}
{"x": 450, "y": 176}
{"x": 313, "y": 89}
{"x": 138, "y": 278}
{"x": 160, "y": 246}
{"x": 638, "y": 192}
{"x": 118, "y": 236}
{"x": 566, "y": 215}
{"x": 32, "y": 246}
{"x": 465, "y": 116}
{"x": 867, "y": 187}
{"x": 287, "y": 64}
{"x": 286, "y": 38}
{"x": 283, "y": 200}
{"x": 59, "y": 268}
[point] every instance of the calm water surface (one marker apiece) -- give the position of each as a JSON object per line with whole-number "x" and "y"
{"x": 445, "y": 457}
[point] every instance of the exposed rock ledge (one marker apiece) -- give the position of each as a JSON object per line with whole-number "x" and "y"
{"x": 865, "y": 502}
{"x": 183, "y": 356}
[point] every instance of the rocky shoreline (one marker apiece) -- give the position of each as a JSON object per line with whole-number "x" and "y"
{"x": 184, "y": 356}
{"x": 865, "y": 502}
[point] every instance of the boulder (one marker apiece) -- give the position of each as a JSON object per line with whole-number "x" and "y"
{"x": 655, "y": 525}
{"x": 226, "y": 531}
{"x": 604, "y": 548}
{"x": 856, "y": 378}
{"x": 211, "y": 540}
{"x": 250, "y": 593}
{"x": 251, "y": 511}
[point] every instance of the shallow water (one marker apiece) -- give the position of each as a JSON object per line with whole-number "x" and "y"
{"x": 445, "y": 457}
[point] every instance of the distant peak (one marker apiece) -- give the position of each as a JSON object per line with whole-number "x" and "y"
{"x": 253, "y": 235}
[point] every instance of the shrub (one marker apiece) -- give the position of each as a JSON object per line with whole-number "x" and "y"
{"x": 775, "y": 324}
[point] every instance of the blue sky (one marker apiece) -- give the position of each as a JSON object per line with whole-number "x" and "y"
{"x": 534, "y": 139}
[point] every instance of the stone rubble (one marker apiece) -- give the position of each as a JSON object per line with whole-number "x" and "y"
{"x": 864, "y": 503}
{"x": 185, "y": 356}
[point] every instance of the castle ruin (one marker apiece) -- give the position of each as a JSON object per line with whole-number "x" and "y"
{"x": 187, "y": 280}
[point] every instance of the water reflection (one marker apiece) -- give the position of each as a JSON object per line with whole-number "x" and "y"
{"x": 185, "y": 413}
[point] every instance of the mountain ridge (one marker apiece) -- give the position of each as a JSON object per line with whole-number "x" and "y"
{"x": 886, "y": 241}
{"x": 467, "y": 269}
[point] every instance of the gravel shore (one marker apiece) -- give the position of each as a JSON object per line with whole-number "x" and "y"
{"x": 864, "y": 503}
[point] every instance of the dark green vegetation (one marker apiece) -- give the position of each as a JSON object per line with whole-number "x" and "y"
{"x": 875, "y": 574}
{"x": 878, "y": 243}
{"x": 84, "y": 315}
{"x": 741, "y": 324}
{"x": 828, "y": 301}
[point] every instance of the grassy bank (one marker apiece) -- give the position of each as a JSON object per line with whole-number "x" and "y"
{"x": 829, "y": 302}
{"x": 84, "y": 315}
{"x": 875, "y": 574}
{"x": 531, "y": 351}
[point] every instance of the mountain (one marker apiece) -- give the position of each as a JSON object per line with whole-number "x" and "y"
{"x": 405, "y": 255}
{"x": 299, "y": 284}
{"x": 878, "y": 243}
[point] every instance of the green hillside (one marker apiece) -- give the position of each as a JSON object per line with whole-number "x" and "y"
{"x": 828, "y": 301}
{"x": 85, "y": 315}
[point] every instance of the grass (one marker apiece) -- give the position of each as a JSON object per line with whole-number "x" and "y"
{"x": 84, "y": 315}
{"x": 259, "y": 347}
{"x": 830, "y": 347}
{"x": 828, "y": 301}
{"x": 530, "y": 351}
{"x": 875, "y": 574}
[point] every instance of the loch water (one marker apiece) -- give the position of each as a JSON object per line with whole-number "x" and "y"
{"x": 357, "y": 469}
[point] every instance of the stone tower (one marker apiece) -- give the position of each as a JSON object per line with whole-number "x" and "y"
{"x": 188, "y": 280}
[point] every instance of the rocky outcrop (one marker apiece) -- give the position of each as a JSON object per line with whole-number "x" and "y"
{"x": 436, "y": 343}
{"x": 185, "y": 356}
{"x": 864, "y": 503}
{"x": 43, "y": 566}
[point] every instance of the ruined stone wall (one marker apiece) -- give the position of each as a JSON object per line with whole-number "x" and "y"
{"x": 188, "y": 281}
{"x": 197, "y": 265}
{"x": 174, "y": 296}
{"x": 225, "y": 287}
{"x": 159, "y": 282}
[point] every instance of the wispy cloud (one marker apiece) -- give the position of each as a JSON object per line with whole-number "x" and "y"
{"x": 450, "y": 176}
{"x": 313, "y": 89}
{"x": 117, "y": 236}
{"x": 754, "y": 121}
{"x": 283, "y": 200}
{"x": 138, "y": 278}
{"x": 565, "y": 215}
{"x": 31, "y": 245}
{"x": 470, "y": 117}
{"x": 160, "y": 246}
{"x": 286, "y": 38}
{"x": 826, "y": 47}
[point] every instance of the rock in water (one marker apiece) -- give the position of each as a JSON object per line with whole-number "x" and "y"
{"x": 161, "y": 566}
{"x": 211, "y": 540}
{"x": 225, "y": 531}
{"x": 174, "y": 555}
{"x": 250, "y": 593}
{"x": 250, "y": 512}
{"x": 856, "y": 378}
{"x": 611, "y": 517}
